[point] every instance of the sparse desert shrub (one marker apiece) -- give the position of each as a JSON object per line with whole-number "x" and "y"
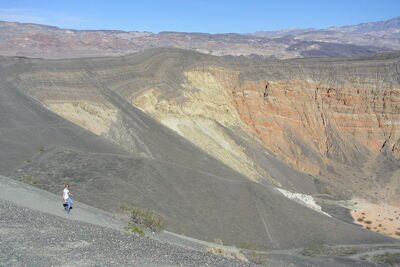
{"x": 397, "y": 233}
{"x": 227, "y": 253}
{"x": 367, "y": 222}
{"x": 313, "y": 249}
{"x": 257, "y": 258}
{"x": 345, "y": 251}
{"x": 360, "y": 219}
{"x": 147, "y": 218}
{"x": 134, "y": 229}
{"x": 217, "y": 251}
{"x": 389, "y": 259}
{"x": 334, "y": 251}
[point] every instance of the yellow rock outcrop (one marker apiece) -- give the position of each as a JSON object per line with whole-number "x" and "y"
{"x": 201, "y": 113}
{"x": 96, "y": 118}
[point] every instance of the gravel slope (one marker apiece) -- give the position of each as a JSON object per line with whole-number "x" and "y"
{"x": 35, "y": 231}
{"x": 33, "y": 238}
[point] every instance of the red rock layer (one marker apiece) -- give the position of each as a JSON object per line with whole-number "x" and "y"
{"x": 310, "y": 126}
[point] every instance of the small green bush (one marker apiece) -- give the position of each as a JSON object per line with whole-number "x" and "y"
{"x": 148, "y": 218}
{"x": 144, "y": 217}
{"x": 134, "y": 229}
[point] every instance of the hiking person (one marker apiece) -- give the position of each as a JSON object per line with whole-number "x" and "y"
{"x": 67, "y": 199}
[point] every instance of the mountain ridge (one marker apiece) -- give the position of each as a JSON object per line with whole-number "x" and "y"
{"x": 36, "y": 40}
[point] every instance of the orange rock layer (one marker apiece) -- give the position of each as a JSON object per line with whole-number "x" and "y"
{"x": 310, "y": 126}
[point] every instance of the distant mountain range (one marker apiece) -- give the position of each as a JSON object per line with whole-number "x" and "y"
{"x": 33, "y": 40}
{"x": 384, "y": 34}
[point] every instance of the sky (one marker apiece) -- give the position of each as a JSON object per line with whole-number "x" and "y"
{"x": 217, "y": 16}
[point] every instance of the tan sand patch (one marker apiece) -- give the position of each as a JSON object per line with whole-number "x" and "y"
{"x": 381, "y": 218}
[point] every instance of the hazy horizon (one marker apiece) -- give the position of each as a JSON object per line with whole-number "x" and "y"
{"x": 198, "y": 16}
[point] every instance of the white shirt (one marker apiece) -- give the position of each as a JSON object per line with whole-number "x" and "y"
{"x": 65, "y": 194}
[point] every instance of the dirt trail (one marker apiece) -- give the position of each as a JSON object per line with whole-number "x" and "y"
{"x": 34, "y": 198}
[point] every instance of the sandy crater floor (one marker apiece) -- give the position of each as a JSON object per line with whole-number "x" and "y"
{"x": 380, "y": 218}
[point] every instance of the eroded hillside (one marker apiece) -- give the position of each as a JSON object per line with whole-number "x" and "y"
{"x": 241, "y": 139}
{"x": 337, "y": 120}
{"x": 328, "y": 131}
{"x": 339, "y": 130}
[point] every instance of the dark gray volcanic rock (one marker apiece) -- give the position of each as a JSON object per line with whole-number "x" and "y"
{"x": 36, "y": 231}
{"x": 198, "y": 195}
{"x": 32, "y": 238}
{"x": 194, "y": 203}
{"x": 321, "y": 49}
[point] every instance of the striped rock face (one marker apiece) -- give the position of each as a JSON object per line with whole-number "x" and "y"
{"x": 337, "y": 131}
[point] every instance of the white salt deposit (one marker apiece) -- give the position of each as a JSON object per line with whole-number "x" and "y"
{"x": 305, "y": 200}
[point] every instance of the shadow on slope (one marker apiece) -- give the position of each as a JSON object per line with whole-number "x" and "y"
{"x": 194, "y": 203}
{"x": 26, "y": 128}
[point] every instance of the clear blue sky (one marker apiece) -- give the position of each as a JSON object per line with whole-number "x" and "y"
{"x": 198, "y": 15}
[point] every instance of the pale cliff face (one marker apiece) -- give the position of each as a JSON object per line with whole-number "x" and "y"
{"x": 206, "y": 107}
